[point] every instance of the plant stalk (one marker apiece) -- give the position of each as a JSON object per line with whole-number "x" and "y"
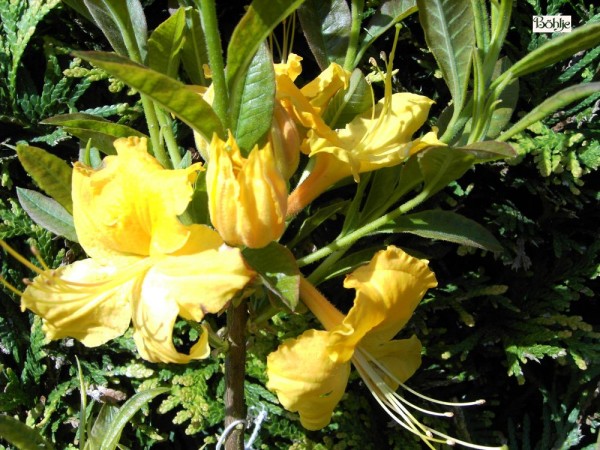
{"x": 235, "y": 373}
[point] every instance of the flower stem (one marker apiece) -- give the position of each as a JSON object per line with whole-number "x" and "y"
{"x": 235, "y": 373}
{"x": 352, "y": 237}
{"x": 215, "y": 57}
{"x": 357, "y": 12}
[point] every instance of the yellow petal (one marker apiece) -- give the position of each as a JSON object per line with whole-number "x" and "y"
{"x": 401, "y": 357}
{"x": 306, "y": 379}
{"x": 247, "y": 198}
{"x": 200, "y": 283}
{"x": 388, "y": 290}
{"x": 130, "y": 205}
{"x": 321, "y": 90}
{"x": 84, "y": 300}
{"x": 291, "y": 68}
{"x": 154, "y": 316}
{"x": 377, "y": 138}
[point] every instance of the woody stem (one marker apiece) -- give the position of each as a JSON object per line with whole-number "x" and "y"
{"x": 235, "y": 365}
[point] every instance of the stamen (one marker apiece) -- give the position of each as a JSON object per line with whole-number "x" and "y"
{"x": 9, "y": 286}
{"x": 38, "y": 256}
{"x": 393, "y": 404}
{"x": 20, "y": 258}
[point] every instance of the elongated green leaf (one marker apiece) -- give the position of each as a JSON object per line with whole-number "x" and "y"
{"x": 51, "y": 173}
{"x": 445, "y": 226}
{"x": 326, "y": 26}
{"x": 101, "y": 131}
{"x": 260, "y": 20}
{"x": 550, "y": 105}
{"x": 449, "y": 32}
{"x": 389, "y": 13}
{"x": 193, "y": 53}
{"x": 171, "y": 94}
{"x": 123, "y": 23}
{"x": 345, "y": 105}
{"x": 486, "y": 151}
{"x": 47, "y": 213}
{"x": 316, "y": 219}
{"x": 508, "y": 102}
{"x": 557, "y": 49}
{"x": 442, "y": 165}
{"x": 252, "y": 112}
{"x": 165, "y": 44}
{"x": 102, "y": 424}
{"x": 278, "y": 270}
{"x": 22, "y": 436}
{"x": 125, "y": 414}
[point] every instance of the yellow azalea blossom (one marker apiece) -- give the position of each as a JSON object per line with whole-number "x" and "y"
{"x": 380, "y": 137}
{"x": 145, "y": 266}
{"x": 247, "y": 198}
{"x": 309, "y": 374}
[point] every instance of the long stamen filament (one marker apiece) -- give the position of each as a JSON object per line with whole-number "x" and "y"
{"x": 9, "y": 286}
{"x": 20, "y": 258}
{"x": 393, "y": 404}
{"x": 418, "y": 394}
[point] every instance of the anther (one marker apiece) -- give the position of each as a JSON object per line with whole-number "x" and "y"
{"x": 449, "y": 414}
{"x": 450, "y": 442}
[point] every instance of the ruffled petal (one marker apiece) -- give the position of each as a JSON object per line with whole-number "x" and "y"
{"x": 85, "y": 300}
{"x": 154, "y": 316}
{"x": 306, "y": 379}
{"x": 198, "y": 283}
{"x": 388, "y": 290}
{"x": 130, "y": 205}
{"x": 401, "y": 357}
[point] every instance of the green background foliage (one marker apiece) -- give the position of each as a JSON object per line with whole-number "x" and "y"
{"x": 519, "y": 328}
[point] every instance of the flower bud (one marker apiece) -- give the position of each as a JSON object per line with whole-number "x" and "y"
{"x": 247, "y": 197}
{"x": 285, "y": 141}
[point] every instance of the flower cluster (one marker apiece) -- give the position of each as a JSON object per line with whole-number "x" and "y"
{"x": 148, "y": 269}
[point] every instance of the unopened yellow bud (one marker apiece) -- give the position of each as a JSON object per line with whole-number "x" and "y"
{"x": 285, "y": 141}
{"x": 247, "y": 197}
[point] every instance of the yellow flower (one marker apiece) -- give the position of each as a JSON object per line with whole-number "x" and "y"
{"x": 380, "y": 137}
{"x": 145, "y": 266}
{"x": 247, "y": 197}
{"x": 309, "y": 374}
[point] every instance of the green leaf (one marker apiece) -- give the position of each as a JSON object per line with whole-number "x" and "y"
{"x": 278, "y": 270}
{"x": 445, "y": 226}
{"x": 165, "y": 44}
{"x": 252, "y": 110}
{"x": 126, "y": 413}
{"x": 102, "y": 425}
{"x": 194, "y": 54}
{"x": 171, "y": 94}
{"x": 486, "y": 151}
{"x": 345, "y": 105}
{"x": 442, "y": 165}
{"x": 557, "y": 49}
{"x": 124, "y": 25}
{"x": 22, "y": 436}
{"x": 326, "y": 26}
{"x": 508, "y": 102}
{"x": 316, "y": 219}
{"x": 47, "y": 213}
{"x": 101, "y": 131}
{"x": 389, "y": 13}
{"x": 260, "y": 20}
{"x": 449, "y": 33}
{"x": 552, "y": 104}
{"x": 51, "y": 173}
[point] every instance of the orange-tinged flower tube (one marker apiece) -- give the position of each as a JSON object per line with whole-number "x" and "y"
{"x": 145, "y": 266}
{"x": 247, "y": 197}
